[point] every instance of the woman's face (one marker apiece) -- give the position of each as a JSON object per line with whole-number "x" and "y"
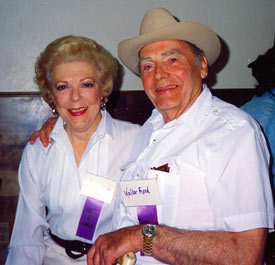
{"x": 76, "y": 89}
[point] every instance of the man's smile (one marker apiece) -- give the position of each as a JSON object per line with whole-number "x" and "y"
{"x": 159, "y": 89}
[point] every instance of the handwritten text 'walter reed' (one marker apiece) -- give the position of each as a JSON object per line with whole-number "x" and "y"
{"x": 140, "y": 191}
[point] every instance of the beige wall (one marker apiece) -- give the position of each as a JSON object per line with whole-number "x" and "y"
{"x": 26, "y": 26}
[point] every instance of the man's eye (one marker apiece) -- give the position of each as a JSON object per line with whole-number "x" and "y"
{"x": 88, "y": 84}
{"x": 172, "y": 60}
{"x": 147, "y": 67}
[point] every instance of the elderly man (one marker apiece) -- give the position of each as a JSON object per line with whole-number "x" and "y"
{"x": 196, "y": 190}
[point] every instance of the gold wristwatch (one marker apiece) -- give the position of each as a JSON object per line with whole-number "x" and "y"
{"x": 148, "y": 231}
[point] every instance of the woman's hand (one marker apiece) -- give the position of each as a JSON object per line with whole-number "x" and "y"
{"x": 44, "y": 132}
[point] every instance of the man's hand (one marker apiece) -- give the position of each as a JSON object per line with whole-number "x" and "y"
{"x": 44, "y": 132}
{"x": 109, "y": 247}
{"x": 175, "y": 246}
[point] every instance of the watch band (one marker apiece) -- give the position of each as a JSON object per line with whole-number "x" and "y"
{"x": 147, "y": 245}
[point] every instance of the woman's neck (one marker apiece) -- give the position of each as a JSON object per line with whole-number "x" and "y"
{"x": 80, "y": 139}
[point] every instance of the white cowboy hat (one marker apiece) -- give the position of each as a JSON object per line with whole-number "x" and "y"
{"x": 159, "y": 24}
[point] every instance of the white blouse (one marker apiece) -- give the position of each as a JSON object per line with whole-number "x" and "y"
{"x": 50, "y": 177}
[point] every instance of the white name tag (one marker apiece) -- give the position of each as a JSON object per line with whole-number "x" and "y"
{"x": 140, "y": 192}
{"x": 99, "y": 188}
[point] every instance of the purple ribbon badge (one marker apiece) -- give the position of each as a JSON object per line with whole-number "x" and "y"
{"x": 147, "y": 214}
{"x": 89, "y": 218}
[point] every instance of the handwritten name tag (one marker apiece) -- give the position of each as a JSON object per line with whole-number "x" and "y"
{"x": 140, "y": 192}
{"x": 99, "y": 188}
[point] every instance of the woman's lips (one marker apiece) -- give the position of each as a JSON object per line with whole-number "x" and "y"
{"x": 78, "y": 111}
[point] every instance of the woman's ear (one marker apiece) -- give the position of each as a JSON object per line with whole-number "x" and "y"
{"x": 204, "y": 67}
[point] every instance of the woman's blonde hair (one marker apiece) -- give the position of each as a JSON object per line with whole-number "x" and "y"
{"x": 69, "y": 49}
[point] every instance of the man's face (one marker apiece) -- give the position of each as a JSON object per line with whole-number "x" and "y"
{"x": 171, "y": 76}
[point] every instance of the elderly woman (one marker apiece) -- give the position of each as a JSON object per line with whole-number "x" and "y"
{"x": 67, "y": 189}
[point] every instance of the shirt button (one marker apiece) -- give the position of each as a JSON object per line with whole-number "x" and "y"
{"x": 215, "y": 110}
{"x": 139, "y": 174}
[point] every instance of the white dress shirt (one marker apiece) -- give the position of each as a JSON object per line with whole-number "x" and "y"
{"x": 218, "y": 179}
{"x": 50, "y": 177}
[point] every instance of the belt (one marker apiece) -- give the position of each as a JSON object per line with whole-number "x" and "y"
{"x": 72, "y": 245}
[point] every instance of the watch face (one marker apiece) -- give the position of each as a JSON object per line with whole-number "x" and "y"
{"x": 149, "y": 230}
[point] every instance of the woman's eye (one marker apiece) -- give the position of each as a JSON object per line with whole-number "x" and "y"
{"x": 61, "y": 87}
{"x": 88, "y": 84}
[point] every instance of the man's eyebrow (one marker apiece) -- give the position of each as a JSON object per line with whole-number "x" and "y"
{"x": 175, "y": 51}
{"x": 145, "y": 59}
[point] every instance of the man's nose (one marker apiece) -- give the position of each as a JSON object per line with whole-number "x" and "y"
{"x": 160, "y": 72}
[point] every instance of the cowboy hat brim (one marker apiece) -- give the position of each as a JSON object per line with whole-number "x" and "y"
{"x": 193, "y": 32}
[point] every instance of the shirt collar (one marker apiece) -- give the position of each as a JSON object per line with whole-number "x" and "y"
{"x": 106, "y": 124}
{"x": 104, "y": 127}
{"x": 194, "y": 116}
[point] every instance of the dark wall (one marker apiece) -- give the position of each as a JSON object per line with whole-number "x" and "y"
{"x": 134, "y": 106}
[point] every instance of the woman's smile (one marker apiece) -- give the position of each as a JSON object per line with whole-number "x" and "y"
{"x": 78, "y": 111}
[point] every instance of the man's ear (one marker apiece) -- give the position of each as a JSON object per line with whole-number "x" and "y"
{"x": 204, "y": 67}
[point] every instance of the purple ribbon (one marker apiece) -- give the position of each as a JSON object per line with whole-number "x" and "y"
{"x": 89, "y": 218}
{"x": 147, "y": 214}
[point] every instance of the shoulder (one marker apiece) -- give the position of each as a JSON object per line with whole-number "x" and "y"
{"x": 120, "y": 127}
{"x": 125, "y": 124}
{"x": 32, "y": 161}
{"x": 262, "y": 109}
{"x": 233, "y": 117}
{"x": 229, "y": 125}
{"x": 35, "y": 148}
{"x": 233, "y": 131}
{"x": 35, "y": 153}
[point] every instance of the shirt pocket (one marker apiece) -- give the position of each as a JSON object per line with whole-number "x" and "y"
{"x": 168, "y": 187}
{"x": 185, "y": 200}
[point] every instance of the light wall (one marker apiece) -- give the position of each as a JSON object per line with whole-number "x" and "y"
{"x": 246, "y": 28}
